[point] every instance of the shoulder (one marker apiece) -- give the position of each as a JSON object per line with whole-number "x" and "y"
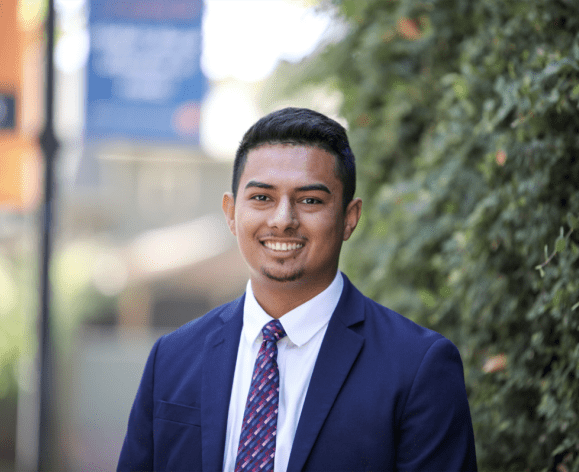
{"x": 193, "y": 334}
{"x": 381, "y": 319}
{"x": 387, "y": 321}
{"x": 388, "y": 331}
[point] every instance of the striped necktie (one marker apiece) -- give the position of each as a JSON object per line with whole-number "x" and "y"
{"x": 256, "y": 449}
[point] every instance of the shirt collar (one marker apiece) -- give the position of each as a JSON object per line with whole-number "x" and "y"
{"x": 301, "y": 323}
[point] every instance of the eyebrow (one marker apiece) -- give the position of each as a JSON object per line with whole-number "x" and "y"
{"x": 305, "y": 188}
{"x": 309, "y": 188}
{"x": 253, "y": 183}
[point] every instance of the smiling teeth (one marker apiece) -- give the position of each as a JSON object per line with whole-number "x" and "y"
{"x": 283, "y": 246}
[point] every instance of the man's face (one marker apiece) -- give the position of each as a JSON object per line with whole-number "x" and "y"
{"x": 288, "y": 216}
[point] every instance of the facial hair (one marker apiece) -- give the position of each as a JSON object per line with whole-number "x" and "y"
{"x": 286, "y": 278}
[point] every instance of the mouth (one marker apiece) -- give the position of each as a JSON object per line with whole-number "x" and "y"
{"x": 282, "y": 247}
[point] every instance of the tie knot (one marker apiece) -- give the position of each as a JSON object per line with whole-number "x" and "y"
{"x": 273, "y": 331}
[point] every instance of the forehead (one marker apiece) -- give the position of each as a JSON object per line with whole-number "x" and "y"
{"x": 289, "y": 161}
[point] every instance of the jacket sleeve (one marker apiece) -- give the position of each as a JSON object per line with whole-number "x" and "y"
{"x": 436, "y": 430}
{"x": 137, "y": 450}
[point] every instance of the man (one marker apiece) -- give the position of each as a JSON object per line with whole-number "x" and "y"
{"x": 340, "y": 383}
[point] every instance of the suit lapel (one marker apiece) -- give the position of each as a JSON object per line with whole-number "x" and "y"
{"x": 220, "y": 355}
{"x": 338, "y": 351}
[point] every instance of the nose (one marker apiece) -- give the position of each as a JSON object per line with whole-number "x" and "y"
{"x": 284, "y": 215}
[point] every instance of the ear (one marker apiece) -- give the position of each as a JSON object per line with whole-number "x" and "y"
{"x": 228, "y": 205}
{"x": 352, "y": 216}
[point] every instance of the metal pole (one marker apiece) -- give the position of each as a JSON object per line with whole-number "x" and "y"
{"x": 49, "y": 146}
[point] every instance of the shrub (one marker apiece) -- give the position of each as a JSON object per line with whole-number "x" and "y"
{"x": 464, "y": 119}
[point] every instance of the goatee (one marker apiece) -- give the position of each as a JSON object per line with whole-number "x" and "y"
{"x": 286, "y": 278}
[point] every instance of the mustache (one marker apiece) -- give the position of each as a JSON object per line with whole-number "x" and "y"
{"x": 285, "y": 234}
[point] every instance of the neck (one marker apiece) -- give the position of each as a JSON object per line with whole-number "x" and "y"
{"x": 278, "y": 298}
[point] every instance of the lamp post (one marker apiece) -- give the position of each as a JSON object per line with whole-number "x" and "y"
{"x": 49, "y": 145}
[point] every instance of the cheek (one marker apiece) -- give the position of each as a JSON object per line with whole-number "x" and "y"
{"x": 244, "y": 220}
{"x": 324, "y": 220}
{"x": 247, "y": 226}
{"x": 330, "y": 225}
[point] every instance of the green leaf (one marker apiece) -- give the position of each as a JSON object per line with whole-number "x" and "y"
{"x": 540, "y": 269}
{"x": 572, "y": 219}
{"x": 427, "y": 298}
{"x": 560, "y": 244}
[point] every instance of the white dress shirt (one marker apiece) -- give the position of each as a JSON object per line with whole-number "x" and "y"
{"x": 305, "y": 327}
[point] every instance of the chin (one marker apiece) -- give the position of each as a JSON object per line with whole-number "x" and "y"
{"x": 281, "y": 277}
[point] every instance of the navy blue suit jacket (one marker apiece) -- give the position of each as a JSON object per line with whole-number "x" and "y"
{"x": 385, "y": 395}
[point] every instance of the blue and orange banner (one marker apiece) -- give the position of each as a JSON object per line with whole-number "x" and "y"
{"x": 144, "y": 74}
{"x": 20, "y": 160}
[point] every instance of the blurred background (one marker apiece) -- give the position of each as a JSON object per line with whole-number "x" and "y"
{"x": 150, "y": 102}
{"x": 463, "y": 118}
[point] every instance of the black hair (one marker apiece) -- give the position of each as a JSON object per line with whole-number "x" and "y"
{"x": 300, "y": 126}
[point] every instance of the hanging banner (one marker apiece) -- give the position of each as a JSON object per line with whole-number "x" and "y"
{"x": 144, "y": 74}
{"x": 20, "y": 159}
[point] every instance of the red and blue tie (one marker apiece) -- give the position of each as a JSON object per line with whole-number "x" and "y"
{"x": 256, "y": 449}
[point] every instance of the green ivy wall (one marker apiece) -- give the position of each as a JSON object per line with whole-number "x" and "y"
{"x": 464, "y": 119}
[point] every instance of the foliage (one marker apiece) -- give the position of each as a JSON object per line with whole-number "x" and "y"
{"x": 464, "y": 119}
{"x": 74, "y": 299}
{"x": 13, "y": 327}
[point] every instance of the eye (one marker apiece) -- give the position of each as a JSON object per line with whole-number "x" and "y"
{"x": 311, "y": 201}
{"x": 260, "y": 198}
